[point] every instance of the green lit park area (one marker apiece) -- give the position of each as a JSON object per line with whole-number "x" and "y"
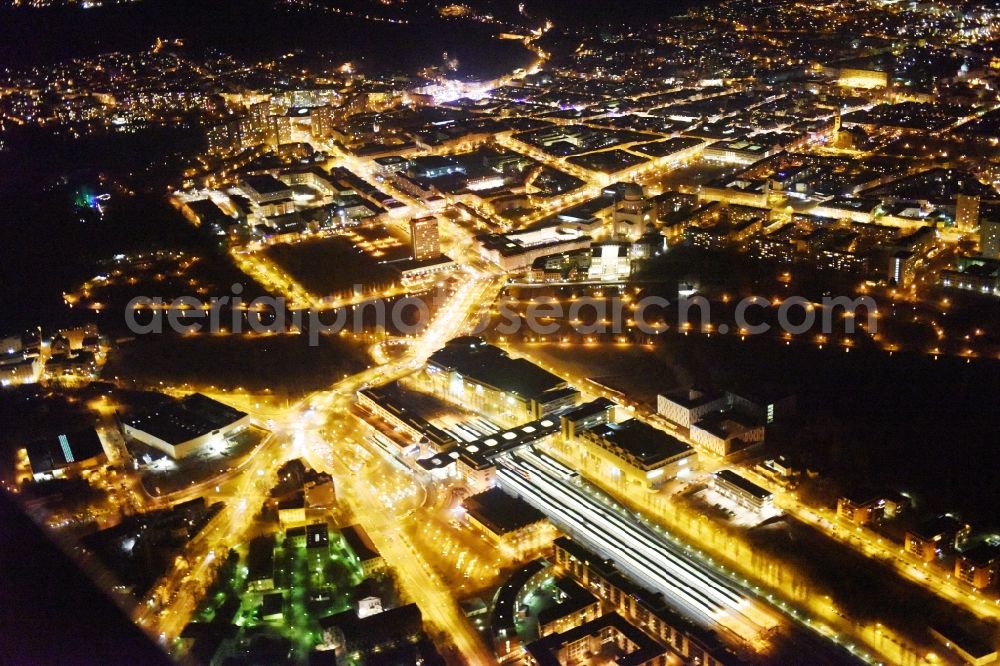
{"x": 281, "y": 596}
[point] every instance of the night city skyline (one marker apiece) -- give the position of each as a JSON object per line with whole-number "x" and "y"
{"x": 471, "y": 332}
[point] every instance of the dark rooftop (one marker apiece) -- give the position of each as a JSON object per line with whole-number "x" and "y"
{"x": 264, "y": 184}
{"x": 648, "y": 445}
{"x": 64, "y": 449}
{"x": 500, "y": 512}
{"x": 982, "y": 554}
{"x": 392, "y": 398}
{"x": 474, "y": 359}
{"x": 379, "y": 629}
{"x": 317, "y": 535}
{"x": 979, "y": 646}
{"x": 940, "y": 526}
{"x": 572, "y": 599}
{"x": 359, "y": 542}
{"x": 182, "y": 420}
{"x": 747, "y": 486}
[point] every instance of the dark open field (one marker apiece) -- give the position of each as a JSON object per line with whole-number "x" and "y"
{"x": 330, "y": 266}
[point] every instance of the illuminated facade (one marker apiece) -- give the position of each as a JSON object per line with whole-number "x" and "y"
{"x": 638, "y": 604}
{"x": 187, "y": 426}
{"x": 863, "y": 78}
{"x": 425, "y": 237}
{"x": 742, "y": 491}
{"x": 509, "y": 523}
{"x": 632, "y": 455}
{"x": 966, "y": 212}
{"x": 989, "y": 238}
{"x": 484, "y": 379}
{"x": 979, "y": 566}
{"x": 935, "y": 538}
{"x": 632, "y": 214}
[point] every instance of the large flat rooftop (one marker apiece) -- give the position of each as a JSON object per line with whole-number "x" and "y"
{"x": 485, "y": 364}
{"x": 648, "y": 445}
{"x": 500, "y": 512}
{"x": 183, "y": 420}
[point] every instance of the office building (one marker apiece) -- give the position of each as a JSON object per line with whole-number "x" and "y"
{"x": 935, "y": 538}
{"x": 431, "y": 167}
{"x": 979, "y": 566}
{"x": 425, "y": 238}
{"x": 264, "y": 189}
{"x": 865, "y": 508}
{"x": 518, "y": 250}
{"x": 726, "y": 432}
{"x": 744, "y": 492}
{"x": 685, "y": 406}
{"x": 973, "y": 645}
{"x": 860, "y": 509}
{"x": 726, "y": 422}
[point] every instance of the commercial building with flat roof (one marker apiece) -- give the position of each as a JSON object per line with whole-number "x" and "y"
{"x": 974, "y": 648}
{"x": 186, "y": 426}
{"x": 264, "y": 189}
{"x": 509, "y": 522}
{"x": 634, "y": 454}
{"x": 498, "y": 513}
{"x": 516, "y": 251}
{"x": 741, "y": 490}
{"x": 727, "y": 432}
{"x": 486, "y": 379}
{"x": 685, "y": 406}
{"x": 388, "y": 402}
{"x": 935, "y": 537}
{"x": 65, "y": 453}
